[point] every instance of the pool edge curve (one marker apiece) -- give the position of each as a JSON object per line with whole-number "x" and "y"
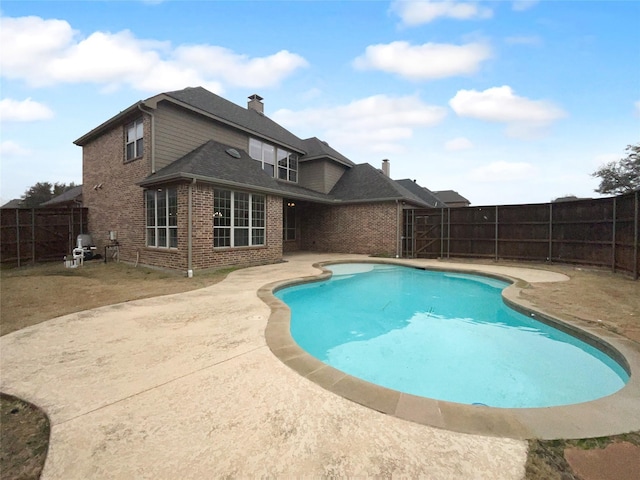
{"x": 614, "y": 414}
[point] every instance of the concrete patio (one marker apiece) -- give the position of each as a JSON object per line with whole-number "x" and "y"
{"x": 185, "y": 386}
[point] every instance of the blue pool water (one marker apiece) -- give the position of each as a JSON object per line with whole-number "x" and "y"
{"x": 446, "y": 336}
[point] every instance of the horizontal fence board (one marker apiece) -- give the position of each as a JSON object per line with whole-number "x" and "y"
{"x": 602, "y": 232}
{"x": 30, "y": 235}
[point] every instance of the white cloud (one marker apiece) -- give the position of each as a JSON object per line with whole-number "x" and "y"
{"x": 414, "y": 13}
{"x": 459, "y": 143}
{"x": 524, "y": 118}
{"x": 376, "y": 124}
{"x": 503, "y": 172}
{"x": 9, "y": 148}
{"x": 423, "y": 62}
{"x": 23, "y": 111}
{"x": 521, "y": 5}
{"x": 47, "y": 52}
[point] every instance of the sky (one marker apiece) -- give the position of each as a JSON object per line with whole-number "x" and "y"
{"x": 505, "y": 102}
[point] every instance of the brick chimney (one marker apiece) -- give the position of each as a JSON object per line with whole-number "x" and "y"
{"x": 255, "y": 103}
{"x": 385, "y": 167}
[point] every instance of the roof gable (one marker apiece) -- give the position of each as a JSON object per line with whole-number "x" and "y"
{"x": 366, "y": 183}
{"x": 243, "y": 118}
{"x": 317, "y": 149}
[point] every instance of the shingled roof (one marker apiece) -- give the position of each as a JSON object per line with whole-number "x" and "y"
{"x": 243, "y": 118}
{"x": 212, "y": 163}
{"x": 316, "y": 148}
{"x": 365, "y": 183}
{"x": 424, "y": 193}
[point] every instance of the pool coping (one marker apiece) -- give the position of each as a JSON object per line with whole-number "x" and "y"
{"x": 614, "y": 414}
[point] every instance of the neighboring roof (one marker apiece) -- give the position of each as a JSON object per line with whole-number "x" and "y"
{"x": 70, "y": 195}
{"x": 211, "y": 163}
{"x": 15, "y": 203}
{"x": 451, "y": 196}
{"x": 366, "y": 183}
{"x": 422, "y": 192}
{"x": 316, "y": 148}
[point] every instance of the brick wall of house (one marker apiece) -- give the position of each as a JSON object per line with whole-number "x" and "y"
{"x": 360, "y": 228}
{"x": 205, "y": 256}
{"x": 114, "y": 201}
{"x": 118, "y": 204}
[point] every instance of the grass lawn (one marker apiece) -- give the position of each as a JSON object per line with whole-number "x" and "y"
{"x": 31, "y": 295}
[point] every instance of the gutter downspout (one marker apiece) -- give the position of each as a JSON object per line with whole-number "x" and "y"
{"x": 190, "y": 230}
{"x": 153, "y": 136}
{"x": 398, "y": 239}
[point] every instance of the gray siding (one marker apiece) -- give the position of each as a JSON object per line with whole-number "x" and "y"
{"x": 178, "y": 132}
{"x": 320, "y": 175}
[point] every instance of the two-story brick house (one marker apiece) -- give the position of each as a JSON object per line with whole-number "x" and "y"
{"x": 190, "y": 181}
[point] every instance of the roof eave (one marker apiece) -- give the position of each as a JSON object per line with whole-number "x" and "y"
{"x": 103, "y": 127}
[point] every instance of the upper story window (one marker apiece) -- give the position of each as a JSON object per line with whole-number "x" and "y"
{"x": 276, "y": 162}
{"x": 287, "y": 166}
{"x": 264, "y": 153}
{"x": 135, "y": 142}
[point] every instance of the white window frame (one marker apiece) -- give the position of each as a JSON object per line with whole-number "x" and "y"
{"x": 161, "y": 215}
{"x": 264, "y": 153}
{"x": 287, "y": 165}
{"x": 238, "y": 216}
{"x": 134, "y": 132}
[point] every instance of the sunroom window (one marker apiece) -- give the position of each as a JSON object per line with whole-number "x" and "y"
{"x": 162, "y": 217}
{"x": 238, "y": 219}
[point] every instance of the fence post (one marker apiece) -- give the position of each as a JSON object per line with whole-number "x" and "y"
{"x": 441, "y": 232}
{"x": 550, "y": 232}
{"x": 448, "y": 231}
{"x": 33, "y": 236}
{"x": 496, "y": 247}
{"x": 613, "y": 240}
{"x": 635, "y": 238}
{"x": 18, "y": 235}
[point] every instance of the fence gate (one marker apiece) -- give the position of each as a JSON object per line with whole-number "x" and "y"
{"x": 423, "y": 230}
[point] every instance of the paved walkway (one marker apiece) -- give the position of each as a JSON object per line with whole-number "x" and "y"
{"x": 184, "y": 386}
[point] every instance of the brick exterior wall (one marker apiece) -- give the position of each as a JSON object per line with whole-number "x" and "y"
{"x": 205, "y": 256}
{"x": 118, "y": 204}
{"x": 360, "y": 228}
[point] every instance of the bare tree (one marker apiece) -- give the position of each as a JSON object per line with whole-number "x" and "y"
{"x": 622, "y": 176}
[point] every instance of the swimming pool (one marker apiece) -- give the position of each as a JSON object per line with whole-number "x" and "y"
{"x": 445, "y": 336}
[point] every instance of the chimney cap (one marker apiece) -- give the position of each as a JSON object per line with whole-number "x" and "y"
{"x": 255, "y": 96}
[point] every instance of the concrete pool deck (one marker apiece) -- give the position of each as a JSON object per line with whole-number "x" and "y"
{"x": 185, "y": 386}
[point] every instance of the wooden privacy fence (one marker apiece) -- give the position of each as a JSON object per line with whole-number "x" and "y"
{"x": 30, "y": 235}
{"x": 600, "y": 232}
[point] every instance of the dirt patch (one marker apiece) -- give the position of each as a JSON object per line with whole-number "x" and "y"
{"x": 25, "y": 439}
{"x": 594, "y": 297}
{"x": 31, "y": 295}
